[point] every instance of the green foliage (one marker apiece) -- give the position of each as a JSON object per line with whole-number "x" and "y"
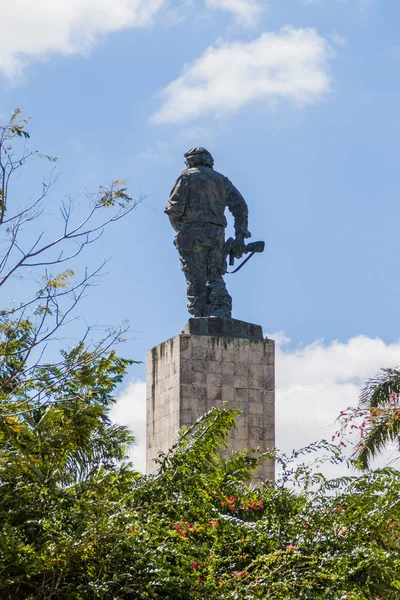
{"x": 59, "y": 455}
{"x": 77, "y": 523}
{"x": 376, "y": 418}
{"x": 115, "y": 194}
{"x": 16, "y": 127}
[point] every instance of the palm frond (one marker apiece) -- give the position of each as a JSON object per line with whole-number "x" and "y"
{"x": 385, "y": 430}
{"x": 378, "y": 389}
{"x": 106, "y": 446}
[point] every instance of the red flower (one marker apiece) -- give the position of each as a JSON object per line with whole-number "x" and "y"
{"x": 195, "y": 565}
{"x": 214, "y": 523}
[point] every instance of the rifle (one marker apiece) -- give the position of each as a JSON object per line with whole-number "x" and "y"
{"x": 235, "y": 249}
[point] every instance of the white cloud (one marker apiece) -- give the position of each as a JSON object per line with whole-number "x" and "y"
{"x": 39, "y": 28}
{"x": 130, "y": 410}
{"x": 290, "y": 64}
{"x": 247, "y": 12}
{"x": 313, "y": 385}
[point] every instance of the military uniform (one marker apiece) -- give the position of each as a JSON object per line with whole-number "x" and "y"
{"x": 196, "y": 210}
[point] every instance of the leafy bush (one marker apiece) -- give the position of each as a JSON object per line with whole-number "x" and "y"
{"x": 77, "y": 523}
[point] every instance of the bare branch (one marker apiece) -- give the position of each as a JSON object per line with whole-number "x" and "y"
{"x": 74, "y": 234}
{"x": 31, "y": 329}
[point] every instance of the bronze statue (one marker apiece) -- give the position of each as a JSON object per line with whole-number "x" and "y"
{"x": 196, "y": 210}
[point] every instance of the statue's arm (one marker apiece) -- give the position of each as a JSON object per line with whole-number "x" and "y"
{"x": 238, "y": 207}
{"x": 177, "y": 202}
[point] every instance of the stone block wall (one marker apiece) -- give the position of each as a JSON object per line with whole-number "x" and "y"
{"x": 189, "y": 374}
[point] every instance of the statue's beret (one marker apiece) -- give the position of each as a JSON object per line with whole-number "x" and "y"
{"x": 196, "y": 150}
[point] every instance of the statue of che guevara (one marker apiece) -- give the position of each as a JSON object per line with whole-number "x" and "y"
{"x": 196, "y": 210}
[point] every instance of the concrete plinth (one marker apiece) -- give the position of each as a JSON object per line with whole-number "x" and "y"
{"x": 213, "y": 360}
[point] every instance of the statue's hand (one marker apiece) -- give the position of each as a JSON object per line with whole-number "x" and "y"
{"x": 242, "y": 234}
{"x": 246, "y": 233}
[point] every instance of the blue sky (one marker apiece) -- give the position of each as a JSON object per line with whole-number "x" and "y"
{"x": 298, "y": 102}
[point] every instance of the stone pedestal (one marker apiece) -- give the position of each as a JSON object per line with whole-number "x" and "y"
{"x": 211, "y": 361}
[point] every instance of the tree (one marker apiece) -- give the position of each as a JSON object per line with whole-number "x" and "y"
{"x": 376, "y": 418}
{"x": 57, "y": 442}
{"x": 196, "y": 529}
{"x": 57, "y": 459}
{"x": 30, "y": 325}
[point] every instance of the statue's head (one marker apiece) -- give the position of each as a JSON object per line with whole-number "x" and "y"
{"x": 198, "y": 156}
